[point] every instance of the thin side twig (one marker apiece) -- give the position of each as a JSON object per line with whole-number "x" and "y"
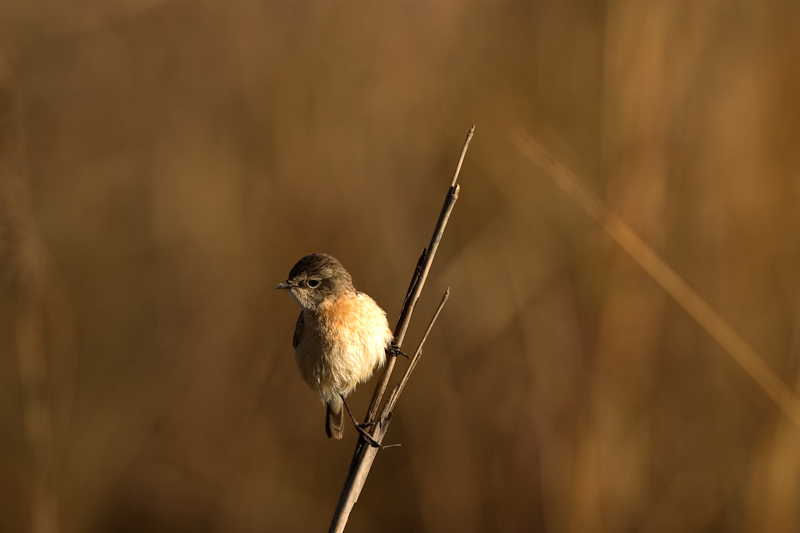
{"x": 365, "y": 454}
{"x": 388, "y": 407}
{"x": 390, "y": 403}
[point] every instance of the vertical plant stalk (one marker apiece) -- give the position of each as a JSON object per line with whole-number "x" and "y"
{"x": 26, "y": 275}
{"x": 365, "y": 454}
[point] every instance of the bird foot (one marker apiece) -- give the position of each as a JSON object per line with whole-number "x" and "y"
{"x": 395, "y": 350}
{"x": 360, "y": 428}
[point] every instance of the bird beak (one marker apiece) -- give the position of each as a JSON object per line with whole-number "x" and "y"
{"x": 285, "y": 285}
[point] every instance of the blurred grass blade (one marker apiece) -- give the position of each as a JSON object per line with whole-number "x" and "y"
{"x": 649, "y": 260}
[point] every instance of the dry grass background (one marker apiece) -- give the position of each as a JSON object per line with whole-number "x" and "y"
{"x": 164, "y": 163}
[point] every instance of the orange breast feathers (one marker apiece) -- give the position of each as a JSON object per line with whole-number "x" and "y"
{"x": 357, "y": 325}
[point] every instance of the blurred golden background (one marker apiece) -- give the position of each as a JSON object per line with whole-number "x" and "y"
{"x": 164, "y": 163}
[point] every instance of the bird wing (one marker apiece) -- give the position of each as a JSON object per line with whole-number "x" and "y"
{"x": 298, "y": 330}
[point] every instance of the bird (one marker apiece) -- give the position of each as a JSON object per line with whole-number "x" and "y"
{"x": 341, "y": 336}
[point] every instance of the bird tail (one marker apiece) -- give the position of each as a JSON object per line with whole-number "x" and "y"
{"x": 334, "y": 420}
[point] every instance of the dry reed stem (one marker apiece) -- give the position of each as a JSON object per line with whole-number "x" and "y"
{"x": 741, "y": 352}
{"x": 418, "y": 279}
{"x": 364, "y": 454}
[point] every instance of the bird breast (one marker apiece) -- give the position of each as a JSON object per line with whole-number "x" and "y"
{"x": 344, "y": 341}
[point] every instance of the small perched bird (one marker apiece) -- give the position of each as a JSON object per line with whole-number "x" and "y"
{"x": 341, "y": 336}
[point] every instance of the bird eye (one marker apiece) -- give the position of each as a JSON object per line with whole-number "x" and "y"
{"x": 313, "y": 283}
